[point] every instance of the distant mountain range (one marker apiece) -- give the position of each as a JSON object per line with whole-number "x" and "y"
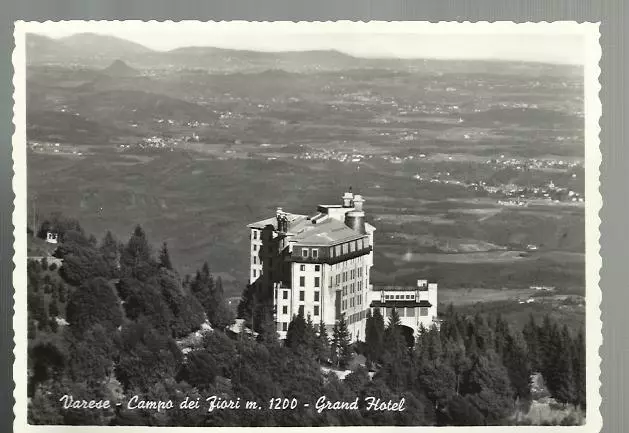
{"x": 93, "y": 50}
{"x": 99, "y": 51}
{"x": 88, "y": 46}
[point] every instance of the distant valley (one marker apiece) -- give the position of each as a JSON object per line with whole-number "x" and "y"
{"x": 472, "y": 171}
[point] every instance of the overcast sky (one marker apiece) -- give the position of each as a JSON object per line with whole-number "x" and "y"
{"x": 549, "y": 43}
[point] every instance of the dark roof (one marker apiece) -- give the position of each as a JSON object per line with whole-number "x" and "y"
{"x": 400, "y": 288}
{"x": 407, "y": 303}
{"x": 318, "y": 230}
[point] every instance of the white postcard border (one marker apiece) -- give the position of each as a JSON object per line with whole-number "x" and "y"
{"x": 593, "y": 112}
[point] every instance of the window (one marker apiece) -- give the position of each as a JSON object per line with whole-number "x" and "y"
{"x": 423, "y": 311}
{"x": 338, "y": 250}
{"x": 285, "y": 294}
{"x": 344, "y": 248}
{"x": 304, "y": 252}
{"x": 317, "y": 281}
{"x": 316, "y": 296}
{"x": 255, "y": 247}
{"x": 301, "y": 310}
{"x": 315, "y": 253}
{"x": 338, "y": 278}
{"x": 284, "y": 326}
{"x": 285, "y": 309}
{"x": 331, "y": 252}
{"x": 255, "y": 260}
{"x": 316, "y": 310}
{"x": 302, "y": 281}
{"x": 302, "y": 267}
{"x": 317, "y": 268}
{"x": 255, "y": 234}
{"x": 410, "y": 312}
{"x": 302, "y": 295}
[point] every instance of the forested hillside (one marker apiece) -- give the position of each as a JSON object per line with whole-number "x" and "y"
{"x": 112, "y": 320}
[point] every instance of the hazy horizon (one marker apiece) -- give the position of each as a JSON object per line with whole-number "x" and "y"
{"x": 557, "y": 47}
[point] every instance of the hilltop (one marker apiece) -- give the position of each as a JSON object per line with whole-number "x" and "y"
{"x": 120, "y": 69}
{"x": 84, "y": 48}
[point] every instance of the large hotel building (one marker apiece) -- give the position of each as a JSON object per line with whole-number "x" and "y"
{"x": 320, "y": 264}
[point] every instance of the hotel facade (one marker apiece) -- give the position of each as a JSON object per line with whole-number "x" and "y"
{"x": 321, "y": 265}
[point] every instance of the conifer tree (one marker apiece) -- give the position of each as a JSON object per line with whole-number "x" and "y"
{"x": 340, "y": 343}
{"x": 63, "y": 292}
{"x": 578, "y": 368}
{"x": 530, "y": 334}
{"x": 394, "y": 341}
{"x": 559, "y": 374}
{"x": 268, "y": 329}
{"x": 310, "y": 338}
{"x": 322, "y": 343}
{"x": 136, "y": 256}
{"x": 210, "y": 296}
{"x": 53, "y": 309}
{"x": 516, "y": 361}
{"x": 32, "y": 329}
{"x": 38, "y": 310}
{"x": 374, "y": 331}
{"x": 164, "y": 258}
{"x": 296, "y": 334}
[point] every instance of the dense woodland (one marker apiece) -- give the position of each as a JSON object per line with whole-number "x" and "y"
{"x": 113, "y": 320}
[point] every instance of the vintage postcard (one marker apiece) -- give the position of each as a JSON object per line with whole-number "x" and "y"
{"x": 325, "y": 225}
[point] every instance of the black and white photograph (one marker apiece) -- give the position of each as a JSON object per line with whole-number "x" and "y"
{"x": 306, "y": 224}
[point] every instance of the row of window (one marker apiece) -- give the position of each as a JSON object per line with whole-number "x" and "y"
{"x": 315, "y": 310}
{"x": 405, "y": 312}
{"x": 302, "y": 268}
{"x": 352, "y": 302}
{"x": 351, "y": 263}
{"x": 402, "y": 297}
{"x": 344, "y": 277}
{"x": 302, "y": 281}
{"x": 349, "y": 247}
{"x": 356, "y": 317}
{"x": 352, "y": 288}
{"x": 338, "y": 250}
{"x": 302, "y": 295}
{"x": 310, "y": 252}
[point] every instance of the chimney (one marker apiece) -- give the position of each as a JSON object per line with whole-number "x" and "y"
{"x": 279, "y": 215}
{"x": 348, "y": 199}
{"x": 355, "y": 219}
{"x": 358, "y": 203}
